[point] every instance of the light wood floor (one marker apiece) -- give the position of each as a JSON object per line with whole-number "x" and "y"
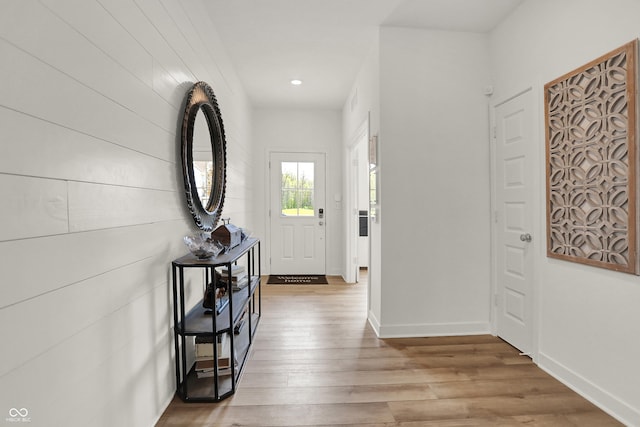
{"x": 316, "y": 362}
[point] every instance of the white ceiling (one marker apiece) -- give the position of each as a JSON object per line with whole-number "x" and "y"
{"x": 324, "y": 42}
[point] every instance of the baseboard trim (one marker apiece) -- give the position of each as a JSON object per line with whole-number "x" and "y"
{"x": 373, "y": 321}
{"x": 615, "y": 407}
{"x": 433, "y": 329}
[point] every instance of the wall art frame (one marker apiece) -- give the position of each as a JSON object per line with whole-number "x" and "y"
{"x": 591, "y": 131}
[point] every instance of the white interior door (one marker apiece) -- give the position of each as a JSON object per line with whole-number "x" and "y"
{"x": 297, "y": 213}
{"x": 514, "y": 242}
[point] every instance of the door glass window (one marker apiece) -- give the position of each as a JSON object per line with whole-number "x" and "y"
{"x": 296, "y": 195}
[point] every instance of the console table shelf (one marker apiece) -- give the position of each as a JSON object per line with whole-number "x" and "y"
{"x": 234, "y": 325}
{"x": 198, "y": 320}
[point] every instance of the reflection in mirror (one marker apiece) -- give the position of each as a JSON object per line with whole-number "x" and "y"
{"x": 202, "y": 159}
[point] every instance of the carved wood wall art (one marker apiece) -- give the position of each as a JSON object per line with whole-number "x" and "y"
{"x": 591, "y": 131}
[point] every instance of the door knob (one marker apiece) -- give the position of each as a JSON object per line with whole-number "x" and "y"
{"x": 321, "y": 223}
{"x": 526, "y": 237}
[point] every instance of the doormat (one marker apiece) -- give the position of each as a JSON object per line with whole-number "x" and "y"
{"x": 296, "y": 279}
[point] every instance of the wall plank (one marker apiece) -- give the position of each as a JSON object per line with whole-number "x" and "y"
{"x": 71, "y": 309}
{"x": 173, "y": 29}
{"x": 96, "y": 69}
{"x": 70, "y": 258}
{"x": 35, "y": 147}
{"x": 131, "y": 17}
{"x": 228, "y": 88}
{"x": 46, "y": 93}
{"x": 99, "y": 367}
{"x": 95, "y": 206}
{"x": 43, "y": 203}
{"x": 91, "y": 20}
{"x": 197, "y": 46}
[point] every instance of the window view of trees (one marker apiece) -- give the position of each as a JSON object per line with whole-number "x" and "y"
{"x": 297, "y": 189}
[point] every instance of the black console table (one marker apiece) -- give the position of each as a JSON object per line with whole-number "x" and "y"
{"x": 227, "y": 329}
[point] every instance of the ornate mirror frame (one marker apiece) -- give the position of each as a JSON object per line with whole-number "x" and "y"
{"x": 206, "y": 213}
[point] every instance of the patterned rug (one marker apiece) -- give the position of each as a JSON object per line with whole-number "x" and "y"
{"x": 297, "y": 279}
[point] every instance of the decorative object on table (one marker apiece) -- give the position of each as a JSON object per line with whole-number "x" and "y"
{"x": 227, "y": 235}
{"x": 203, "y": 153}
{"x": 591, "y": 143}
{"x": 243, "y": 321}
{"x": 215, "y": 296}
{"x": 297, "y": 279}
{"x": 202, "y": 246}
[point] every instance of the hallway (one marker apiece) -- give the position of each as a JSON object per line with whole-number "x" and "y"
{"x": 316, "y": 362}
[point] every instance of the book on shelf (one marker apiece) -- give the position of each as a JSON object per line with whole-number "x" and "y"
{"x": 204, "y": 353}
{"x": 222, "y": 372}
{"x": 240, "y": 283}
{"x": 235, "y": 271}
{"x": 239, "y": 276}
{"x": 205, "y": 362}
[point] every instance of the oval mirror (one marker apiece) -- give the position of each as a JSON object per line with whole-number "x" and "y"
{"x": 203, "y": 156}
{"x": 202, "y": 159}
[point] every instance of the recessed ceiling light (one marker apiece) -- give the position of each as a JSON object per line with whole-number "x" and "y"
{"x": 296, "y": 82}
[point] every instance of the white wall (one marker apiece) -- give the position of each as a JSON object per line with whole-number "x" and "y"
{"x": 92, "y": 206}
{"x": 589, "y": 322}
{"x": 434, "y": 179}
{"x": 430, "y": 260}
{"x": 301, "y": 130}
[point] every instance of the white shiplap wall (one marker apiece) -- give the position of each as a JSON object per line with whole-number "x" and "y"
{"x": 91, "y": 210}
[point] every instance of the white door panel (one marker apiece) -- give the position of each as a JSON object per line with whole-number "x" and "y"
{"x": 514, "y": 244}
{"x": 297, "y": 213}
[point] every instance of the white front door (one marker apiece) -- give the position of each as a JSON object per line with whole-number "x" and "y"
{"x": 513, "y": 219}
{"x": 297, "y": 213}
